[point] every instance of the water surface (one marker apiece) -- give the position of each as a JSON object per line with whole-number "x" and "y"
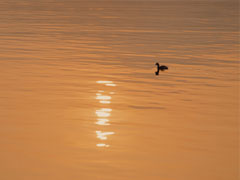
{"x": 80, "y": 100}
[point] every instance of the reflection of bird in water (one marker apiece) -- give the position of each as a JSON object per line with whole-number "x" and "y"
{"x": 160, "y": 68}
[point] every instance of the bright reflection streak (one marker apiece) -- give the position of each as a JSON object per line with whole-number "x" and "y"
{"x": 104, "y": 82}
{"x": 103, "y": 135}
{"x": 103, "y": 97}
{"x": 105, "y": 102}
{"x": 103, "y": 122}
{"x": 106, "y": 109}
{"x": 107, "y": 83}
{"x": 104, "y": 112}
{"x": 110, "y": 84}
{"x": 102, "y": 145}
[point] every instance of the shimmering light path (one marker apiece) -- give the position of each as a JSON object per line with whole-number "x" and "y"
{"x": 104, "y": 113}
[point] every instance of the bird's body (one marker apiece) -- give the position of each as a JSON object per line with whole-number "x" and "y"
{"x": 160, "y": 68}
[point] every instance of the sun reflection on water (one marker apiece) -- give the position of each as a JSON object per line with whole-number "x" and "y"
{"x": 110, "y": 84}
{"x": 107, "y": 83}
{"x": 103, "y": 121}
{"x": 100, "y": 97}
{"x": 102, "y": 145}
{"x": 105, "y": 102}
{"x": 103, "y": 114}
{"x": 103, "y": 135}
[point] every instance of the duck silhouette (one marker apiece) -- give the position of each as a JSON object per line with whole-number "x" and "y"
{"x": 160, "y": 68}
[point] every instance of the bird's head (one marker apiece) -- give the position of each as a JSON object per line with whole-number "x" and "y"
{"x": 157, "y": 64}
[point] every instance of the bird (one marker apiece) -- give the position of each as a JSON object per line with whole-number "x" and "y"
{"x": 160, "y": 68}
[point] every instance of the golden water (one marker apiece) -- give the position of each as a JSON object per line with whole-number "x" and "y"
{"x": 79, "y": 98}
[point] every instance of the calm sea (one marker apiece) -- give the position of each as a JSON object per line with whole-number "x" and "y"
{"x": 79, "y": 99}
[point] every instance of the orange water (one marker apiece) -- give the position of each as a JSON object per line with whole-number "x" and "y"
{"x": 80, "y": 100}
